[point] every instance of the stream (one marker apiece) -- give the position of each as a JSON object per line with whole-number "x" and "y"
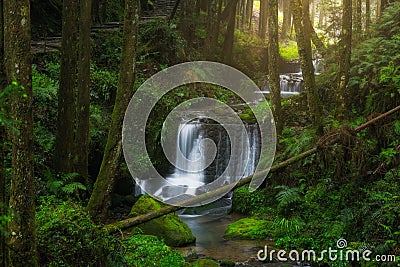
{"x": 210, "y": 242}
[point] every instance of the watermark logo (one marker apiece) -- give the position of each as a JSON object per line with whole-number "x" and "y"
{"x": 340, "y": 253}
{"x": 145, "y": 99}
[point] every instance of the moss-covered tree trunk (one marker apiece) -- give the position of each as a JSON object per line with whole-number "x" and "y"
{"x": 357, "y": 21}
{"x": 100, "y": 200}
{"x": 82, "y": 119}
{"x": 64, "y": 145}
{"x": 304, "y": 48}
{"x": 273, "y": 66}
{"x": 3, "y": 193}
{"x": 230, "y": 32}
{"x": 17, "y": 37}
{"x": 344, "y": 59}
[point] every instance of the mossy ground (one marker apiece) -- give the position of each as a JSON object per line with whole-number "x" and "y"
{"x": 248, "y": 228}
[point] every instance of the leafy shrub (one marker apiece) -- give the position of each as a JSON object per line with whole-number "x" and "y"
{"x": 254, "y": 203}
{"x": 147, "y": 250}
{"x": 68, "y": 237}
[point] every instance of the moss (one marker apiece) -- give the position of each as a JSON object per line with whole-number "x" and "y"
{"x": 168, "y": 227}
{"x": 203, "y": 263}
{"x": 248, "y": 228}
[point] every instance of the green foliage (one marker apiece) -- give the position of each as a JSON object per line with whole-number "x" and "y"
{"x": 63, "y": 186}
{"x": 146, "y": 250}
{"x": 254, "y": 203}
{"x": 67, "y": 236}
{"x": 289, "y": 51}
{"x": 375, "y": 73}
{"x": 288, "y": 195}
{"x": 4, "y": 219}
{"x": 161, "y": 42}
{"x": 104, "y": 85}
{"x": 14, "y": 89}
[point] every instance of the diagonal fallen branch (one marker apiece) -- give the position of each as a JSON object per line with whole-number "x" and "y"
{"x": 130, "y": 222}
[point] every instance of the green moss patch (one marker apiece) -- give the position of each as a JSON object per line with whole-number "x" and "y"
{"x": 248, "y": 228}
{"x": 170, "y": 227}
{"x": 289, "y": 51}
{"x": 203, "y": 263}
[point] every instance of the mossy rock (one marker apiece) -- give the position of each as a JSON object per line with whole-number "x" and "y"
{"x": 203, "y": 263}
{"x": 169, "y": 227}
{"x": 248, "y": 228}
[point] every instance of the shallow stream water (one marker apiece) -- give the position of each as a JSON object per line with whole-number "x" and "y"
{"x": 210, "y": 241}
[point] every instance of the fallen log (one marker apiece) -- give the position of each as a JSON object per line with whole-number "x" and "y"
{"x": 130, "y": 222}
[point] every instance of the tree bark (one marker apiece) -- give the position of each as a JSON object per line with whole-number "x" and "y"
{"x": 83, "y": 101}
{"x": 304, "y": 48}
{"x": 100, "y": 199}
{"x": 66, "y": 93}
{"x": 230, "y": 33}
{"x": 263, "y": 19}
{"x": 3, "y": 190}
{"x": 249, "y": 11}
{"x": 273, "y": 70}
{"x": 357, "y": 21}
{"x": 287, "y": 19}
{"x": 367, "y": 14}
{"x": 344, "y": 59}
{"x": 17, "y": 37}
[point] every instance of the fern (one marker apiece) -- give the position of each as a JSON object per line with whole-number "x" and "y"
{"x": 288, "y": 195}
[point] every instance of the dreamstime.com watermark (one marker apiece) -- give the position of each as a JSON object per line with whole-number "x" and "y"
{"x": 340, "y": 253}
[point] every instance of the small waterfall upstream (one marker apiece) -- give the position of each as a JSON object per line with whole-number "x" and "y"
{"x": 291, "y": 78}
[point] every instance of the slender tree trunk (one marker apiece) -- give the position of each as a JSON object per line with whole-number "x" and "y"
{"x": 304, "y": 47}
{"x": 173, "y": 13}
{"x": 382, "y": 6}
{"x": 17, "y": 37}
{"x": 287, "y": 19}
{"x": 344, "y": 60}
{"x": 263, "y": 19}
{"x": 83, "y": 101}
{"x": 66, "y": 94}
{"x": 230, "y": 32}
{"x": 273, "y": 70}
{"x": 249, "y": 10}
{"x": 100, "y": 199}
{"x": 357, "y": 21}
{"x": 367, "y": 14}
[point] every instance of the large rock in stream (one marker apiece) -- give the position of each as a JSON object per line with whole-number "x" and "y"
{"x": 169, "y": 227}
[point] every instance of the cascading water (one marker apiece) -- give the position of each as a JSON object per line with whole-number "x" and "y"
{"x": 189, "y": 151}
{"x": 291, "y": 79}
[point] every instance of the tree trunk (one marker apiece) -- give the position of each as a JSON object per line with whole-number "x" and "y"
{"x": 304, "y": 48}
{"x": 3, "y": 189}
{"x": 100, "y": 199}
{"x": 83, "y": 101}
{"x": 230, "y": 33}
{"x": 17, "y": 37}
{"x": 357, "y": 21}
{"x": 66, "y": 93}
{"x": 263, "y": 20}
{"x": 273, "y": 70}
{"x": 367, "y": 14}
{"x": 249, "y": 10}
{"x": 287, "y": 19}
{"x": 344, "y": 59}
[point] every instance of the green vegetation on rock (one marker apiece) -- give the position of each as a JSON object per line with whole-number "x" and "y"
{"x": 169, "y": 227}
{"x": 248, "y": 228}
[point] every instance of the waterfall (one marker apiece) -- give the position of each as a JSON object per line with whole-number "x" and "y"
{"x": 291, "y": 79}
